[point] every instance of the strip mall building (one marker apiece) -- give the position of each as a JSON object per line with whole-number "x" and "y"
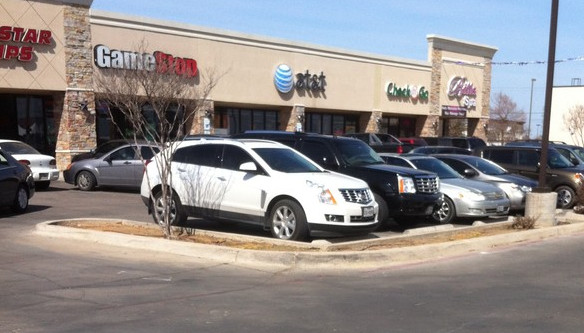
{"x": 50, "y": 52}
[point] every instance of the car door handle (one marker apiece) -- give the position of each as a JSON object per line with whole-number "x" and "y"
{"x": 127, "y": 162}
{"x": 221, "y": 178}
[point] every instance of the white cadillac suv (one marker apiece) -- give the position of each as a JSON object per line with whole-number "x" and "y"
{"x": 260, "y": 182}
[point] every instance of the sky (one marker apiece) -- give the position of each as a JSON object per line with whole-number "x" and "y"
{"x": 519, "y": 29}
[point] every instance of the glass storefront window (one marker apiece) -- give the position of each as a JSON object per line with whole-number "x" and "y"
{"x": 327, "y": 123}
{"x": 236, "y": 120}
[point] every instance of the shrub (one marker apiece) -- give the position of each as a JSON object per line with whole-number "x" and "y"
{"x": 524, "y": 222}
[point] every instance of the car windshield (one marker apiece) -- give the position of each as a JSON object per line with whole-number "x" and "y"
{"x": 487, "y": 167}
{"x": 286, "y": 160}
{"x": 16, "y": 148}
{"x": 579, "y": 151}
{"x": 355, "y": 152}
{"x": 443, "y": 170}
{"x": 557, "y": 160}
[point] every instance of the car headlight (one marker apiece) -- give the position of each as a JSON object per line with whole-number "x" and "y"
{"x": 324, "y": 195}
{"x": 472, "y": 196}
{"x": 579, "y": 177}
{"x": 525, "y": 188}
{"x": 406, "y": 184}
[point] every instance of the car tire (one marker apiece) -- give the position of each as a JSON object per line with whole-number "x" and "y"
{"x": 86, "y": 181}
{"x": 566, "y": 197}
{"x": 445, "y": 212}
{"x": 177, "y": 214}
{"x": 383, "y": 213}
{"x": 288, "y": 221}
{"x": 42, "y": 185}
{"x": 20, "y": 201}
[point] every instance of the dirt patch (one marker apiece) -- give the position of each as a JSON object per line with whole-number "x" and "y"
{"x": 190, "y": 235}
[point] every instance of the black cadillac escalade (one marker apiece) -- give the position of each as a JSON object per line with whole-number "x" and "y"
{"x": 400, "y": 192}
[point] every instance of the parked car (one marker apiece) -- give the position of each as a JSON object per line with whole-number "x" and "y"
{"x": 400, "y": 192}
{"x": 561, "y": 175}
{"x": 429, "y": 150}
{"x": 462, "y": 197}
{"x": 381, "y": 142}
{"x": 43, "y": 167}
{"x": 16, "y": 183}
{"x": 575, "y": 154}
{"x": 515, "y": 186}
{"x": 114, "y": 164}
{"x": 413, "y": 141}
{"x": 469, "y": 143}
{"x": 260, "y": 182}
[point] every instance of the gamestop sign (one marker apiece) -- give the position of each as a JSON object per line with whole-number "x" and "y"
{"x": 161, "y": 62}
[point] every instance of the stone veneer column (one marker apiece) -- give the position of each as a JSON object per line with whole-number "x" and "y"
{"x": 196, "y": 125}
{"x": 77, "y": 123}
{"x": 297, "y": 118}
{"x": 432, "y": 124}
{"x": 482, "y": 127}
{"x": 371, "y": 121}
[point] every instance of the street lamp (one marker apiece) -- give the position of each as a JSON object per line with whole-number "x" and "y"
{"x": 530, "y": 105}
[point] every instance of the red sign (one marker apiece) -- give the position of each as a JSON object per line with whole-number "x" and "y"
{"x": 18, "y": 35}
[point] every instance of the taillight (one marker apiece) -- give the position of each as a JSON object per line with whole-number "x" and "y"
{"x": 400, "y": 149}
{"x": 24, "y": 162}
{"x": 145, "y": 165}
{"x": 53, "y": 162}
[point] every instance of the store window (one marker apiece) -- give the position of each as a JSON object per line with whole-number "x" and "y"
{"x": 228, "y": 121}
{"x": 398, "y": 126}
{"x": 29, "y": 119}
{"x": 325, "y": 123}
{"x": 114, "y": 125}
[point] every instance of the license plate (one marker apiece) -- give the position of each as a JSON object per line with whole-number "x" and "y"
{"x": 367, "y": 211}
{"x": 500, "y": 209}
{"x": 44, "y": 176}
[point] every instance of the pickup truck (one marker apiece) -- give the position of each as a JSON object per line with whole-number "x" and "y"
{"x": 401, "y": 192}
{"x": 383, "y": 143}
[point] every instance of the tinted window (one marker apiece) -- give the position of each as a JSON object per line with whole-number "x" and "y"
{"x": 318, "y": 152}
{"x": 18, "y": 148}
{"x": 207, "y": 155}
{"x": 148, "y": 152}
{"x": 527, "y": 158}
{"x": 126, "y": 153}
{"x": 461, "y": 143}
{"x": 435, "y": 165}
{"x": 500, "y": 156}
{"x": 234, "y": 157}
{"x": 356, "y": 152}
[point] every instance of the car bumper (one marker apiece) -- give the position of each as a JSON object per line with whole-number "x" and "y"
{"x": 482, "y": 208}
{"x": 69, "y": 177}
{"x": 43, "y": 175}
{"x": 342, "y": 218}
{"x": 413, "y": 204}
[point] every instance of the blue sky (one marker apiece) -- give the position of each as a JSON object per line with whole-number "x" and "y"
{"x": 519, "y": 29}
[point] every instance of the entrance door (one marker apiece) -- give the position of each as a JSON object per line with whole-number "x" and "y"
{"x": 30, "y": 121}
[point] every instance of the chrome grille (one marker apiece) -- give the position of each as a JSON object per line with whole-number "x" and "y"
{"x": 427, "y": 184}
{"x": 360, "y": 195}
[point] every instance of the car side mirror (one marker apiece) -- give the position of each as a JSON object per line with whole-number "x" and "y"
{"x": 108, "y": 159}
{"x": 470, "y": 173}
{"x": 248, "y": 167}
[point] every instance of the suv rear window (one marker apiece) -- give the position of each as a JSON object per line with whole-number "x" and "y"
{"x": 500, "y": 156}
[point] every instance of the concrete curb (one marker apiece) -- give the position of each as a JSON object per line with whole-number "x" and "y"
{"x": 316, "y": 259}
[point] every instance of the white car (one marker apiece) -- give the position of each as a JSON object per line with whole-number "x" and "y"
{"x": 43, "y": 167}
{"x": 260, "y": 182}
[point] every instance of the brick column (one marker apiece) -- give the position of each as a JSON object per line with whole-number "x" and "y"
{"x": 77, "y": 123}
{"x": 432, "y": 123}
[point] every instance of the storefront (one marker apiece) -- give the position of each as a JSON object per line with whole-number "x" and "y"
{"x": 49, "y": 98}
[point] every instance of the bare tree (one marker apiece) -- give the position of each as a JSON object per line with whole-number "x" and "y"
{"x": 574, "y": 123}
{"x": 159, "y": 99}
{"x": 506, "y": 121}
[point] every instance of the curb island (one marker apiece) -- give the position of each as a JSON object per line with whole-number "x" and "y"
{"x": 321, "y": 253}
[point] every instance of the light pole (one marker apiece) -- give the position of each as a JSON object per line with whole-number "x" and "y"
{"x": 530, "y": 105}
